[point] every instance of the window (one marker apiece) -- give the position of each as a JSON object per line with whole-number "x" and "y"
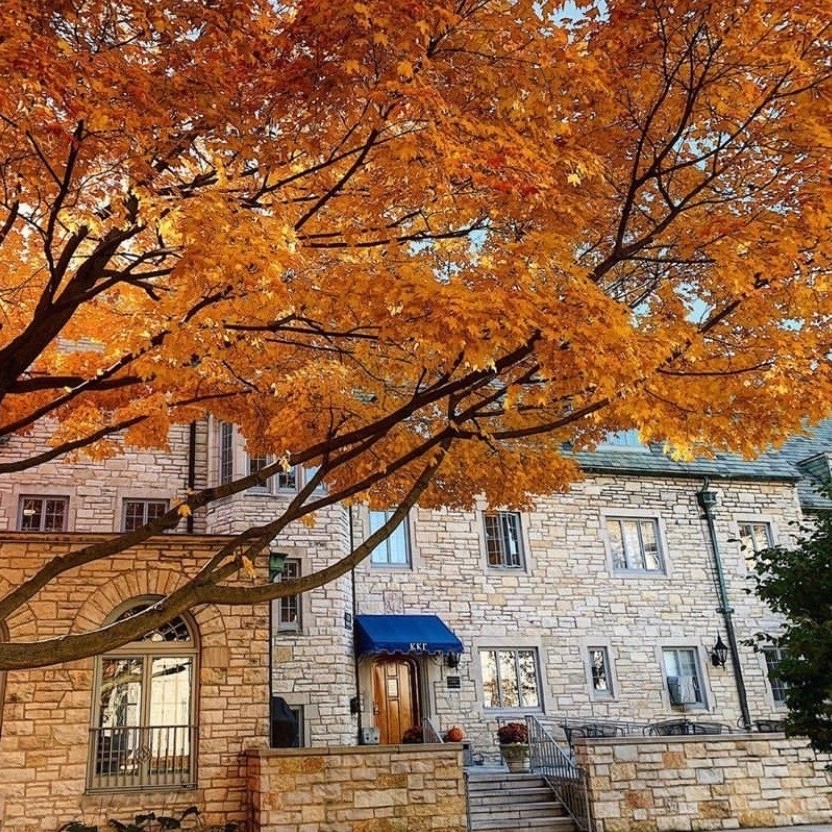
{"x": 600, "y": 672}
{"x": 773, "y": 656}
{"x": 634, "y": 544}
{"x": 143, "y": 732}
{"x": 684, "y": 681}
{"x": 226, "y": 452}
{"x": 395, "y": 551}
{"x": 287, "y": 724}
{"x": 258, "y": 463}
{"x": 503, "y": 544}
{"x": 43, "y": 514}
{"x": 288, "y": 609}
{"x": 287, "y": 480}
{"x": 754, "y": 537}
{"x": 510, "y": 678}
{"x": 138, "y": 513}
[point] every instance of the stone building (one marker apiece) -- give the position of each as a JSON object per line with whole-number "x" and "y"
{"x": 605, "y": 602}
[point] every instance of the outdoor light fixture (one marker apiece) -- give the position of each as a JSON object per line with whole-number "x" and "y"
{"x": 452, "y": 660}
{"x": 719, "y": 652}
{"x": 277, "y": 562}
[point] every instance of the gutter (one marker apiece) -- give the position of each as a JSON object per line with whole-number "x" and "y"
{"x": 707, "y": 501}
{"x": 191, "y": 471}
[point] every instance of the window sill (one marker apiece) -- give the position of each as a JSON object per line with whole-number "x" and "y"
{"x": 649, "y": 574}
{"x": 92, "y": 792}
{"x": 392, "y": 567}
{"x": 511, "y": 712}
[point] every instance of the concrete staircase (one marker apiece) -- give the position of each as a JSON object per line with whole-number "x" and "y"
{"x": 502, "y": 802}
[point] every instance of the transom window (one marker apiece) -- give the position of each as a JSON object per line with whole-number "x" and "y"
{"x": 683, "y": 676}
{"x": 634, "y": 544}
{"x": 143, "y": 733}
{"x": 773, "y": 657}
{"x": 599, "y": 669}
{"x": 755, "y": 536}
{"x": 138, "y": 513}
{"x": 510, "y": 678}
{"x": 43, "y": 514}
{"x": 503, "y": 540}
{"x": 395, "y": 550}
{"x": 287, "y": 611}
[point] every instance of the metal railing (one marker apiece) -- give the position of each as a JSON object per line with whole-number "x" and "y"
{"x": 430, "y": 732}
{"x": 569, "y": 781}
{"x": 134, "y": 757}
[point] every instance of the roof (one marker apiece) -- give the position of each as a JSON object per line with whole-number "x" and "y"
{"x": 804, "y": 460}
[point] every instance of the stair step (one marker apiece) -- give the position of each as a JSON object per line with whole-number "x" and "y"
{"x": 541, "y": 824}
{"x": 521, "y": 811}
{"x": 504, "y": 781}
{"x": 502, "y": 796}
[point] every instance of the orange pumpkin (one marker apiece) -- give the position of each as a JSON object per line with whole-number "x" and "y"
{"x": 455, "y": 734}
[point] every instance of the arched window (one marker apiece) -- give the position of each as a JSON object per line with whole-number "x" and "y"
{"x": 144, "y": 708}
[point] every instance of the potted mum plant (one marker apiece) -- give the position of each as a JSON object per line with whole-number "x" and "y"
{"x": 513, "y": 738}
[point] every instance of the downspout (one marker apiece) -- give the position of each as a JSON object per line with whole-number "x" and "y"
{"x": 707, "y": 501}
{"x": 354, "y": 612}
{"x": 191, "y": 471}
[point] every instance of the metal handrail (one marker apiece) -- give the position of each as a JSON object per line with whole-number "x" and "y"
{"x": 569, "y": 782}
{"x": 135, "y": 757}
{"x": 429, "y": 732}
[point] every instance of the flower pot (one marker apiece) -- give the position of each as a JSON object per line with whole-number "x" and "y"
{"x": 516, "y": 756}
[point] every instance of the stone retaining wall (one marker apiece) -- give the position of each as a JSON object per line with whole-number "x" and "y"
{"x": 389, "y": 788}
{"x": 692, "y": 783}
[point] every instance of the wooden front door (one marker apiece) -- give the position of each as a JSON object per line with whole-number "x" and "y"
{"x": 395, "y": 698}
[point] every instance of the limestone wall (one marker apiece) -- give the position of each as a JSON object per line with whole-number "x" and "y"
{"x": 567, "y": 599}
{"x": 44, "y": 745}
{"x": 365, "y": 789}
{"x": 690, "y": 783}
{"x": 96, "y": 489}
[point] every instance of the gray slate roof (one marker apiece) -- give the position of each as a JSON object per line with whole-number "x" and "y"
{"x": 804, "y": 460}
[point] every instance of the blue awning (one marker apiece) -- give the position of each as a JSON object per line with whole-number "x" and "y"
{"x": 409, "y": 634}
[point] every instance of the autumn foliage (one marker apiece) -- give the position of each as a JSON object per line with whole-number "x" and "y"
{"x": 420, "y": 244}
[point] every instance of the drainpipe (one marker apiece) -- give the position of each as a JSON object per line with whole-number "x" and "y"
{"x": 191, "y": 471}
{"x": 354, "y": 611}
{"x": 707, "y": 501}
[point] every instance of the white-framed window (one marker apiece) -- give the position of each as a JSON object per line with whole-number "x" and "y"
{"x": 755, "y": 535}
{"x": 683, "y": 676}
{"x": 226, "y": 449}
{"x": 600, "y": 673}
{"x": 42, "y": 513}
{"x": 510, "y": 678}
{"x": 144, "y": 710}
{"x": 137, "y": 513}
{"x": 283, "y": 482}
{"x": 395, "y": 550}
{"x": 288, "y": 611}
{"x": 773, "y": 657}
{"x": 634, "y": 544}
{"x": 503, "y": 539}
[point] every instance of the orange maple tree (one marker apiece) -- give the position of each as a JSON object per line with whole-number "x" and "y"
{"x": 418, "y": 244}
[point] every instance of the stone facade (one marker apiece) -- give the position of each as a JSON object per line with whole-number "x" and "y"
{"x": 691, "y": 783}
{"x": 45, "y": 745}
{"x": 367, "y": 789}
{"x": 565, "y": 598}
{"x": 96, "y": 489}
